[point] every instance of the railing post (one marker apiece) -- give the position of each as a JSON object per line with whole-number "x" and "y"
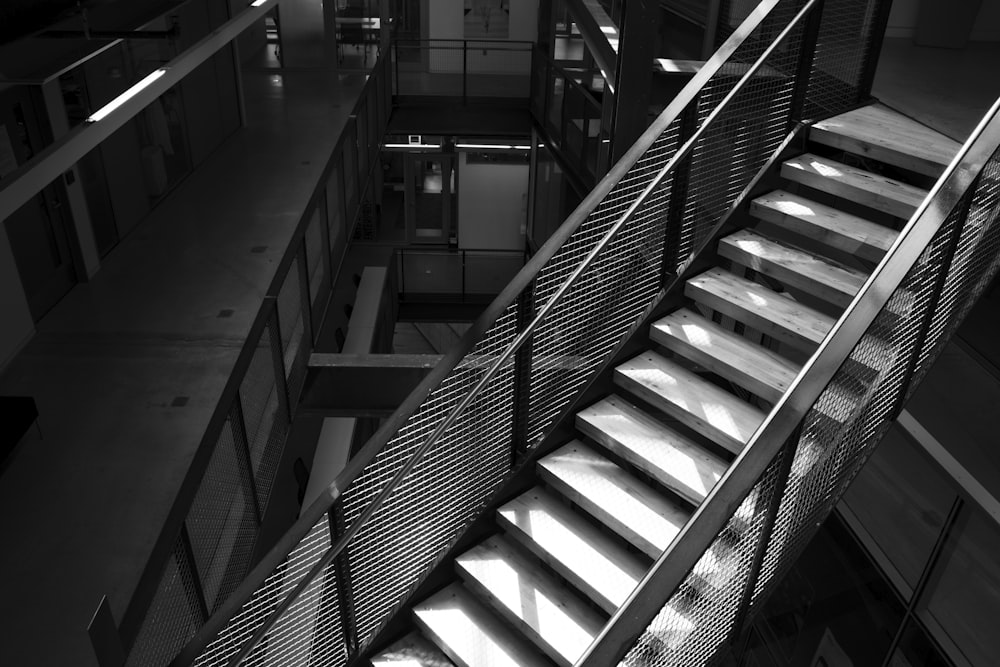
{"x": 522, "y": 373}
{"x": 201, "y": 602}
{"x": 875, "y": 40}
{"x": 465, "y": 69}
{"x": 807, "y": 53}
{"x": 342, "y": 575}
{"x": 242, "y": 446}
{"x": 278, "y": 360}
{"x": 770, "y": 507}
{"x": 678, "y": 196}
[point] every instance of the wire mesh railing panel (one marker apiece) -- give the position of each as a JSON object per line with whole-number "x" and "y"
{"x": 843, "y": 48}
{"x": 700, "y": 617}
{"x": 318, "y": 288}
{"x": 442, "y": 493}
{"x": 173, "y": 616}
{"x": 975, "y": 263}
{"x": 263, "y": 414}
{"x": 222, "y": 522}
{"x": 266, "y": 598}
{"x": 851, "y": 415}
{"x": 293, "y": 316}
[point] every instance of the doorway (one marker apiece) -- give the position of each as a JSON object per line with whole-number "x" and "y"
{"x": 431, "y": 198}
{"x": 38, "y": 231}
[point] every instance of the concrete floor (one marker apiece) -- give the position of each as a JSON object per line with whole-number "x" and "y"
{"x": 83, "y": 506}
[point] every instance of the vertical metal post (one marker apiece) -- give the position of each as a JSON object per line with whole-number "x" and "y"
{"x": 875, "y": 39}
{"x": 770, "y": 507}
{"x": 342, "y": 574}
{"x": 522, "y": 373}
{"x": 465, "y": 69}
{"x": 242, "y": 447}
{"x": 674, "y": 232}
{"x": 807, "y": 53}
{"x": 278, "y": 359}
{"x": 201, "y": 603}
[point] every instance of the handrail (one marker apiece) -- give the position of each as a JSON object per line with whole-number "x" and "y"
{"x": 680, "y": 557}
{"x": 174, "y": 524}
{"x": 521, "y": 282}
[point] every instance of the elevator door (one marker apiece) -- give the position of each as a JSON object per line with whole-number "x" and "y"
{"x": 38, "y": 230}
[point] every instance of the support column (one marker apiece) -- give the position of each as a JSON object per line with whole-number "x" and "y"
{"x": 638, "y": 29}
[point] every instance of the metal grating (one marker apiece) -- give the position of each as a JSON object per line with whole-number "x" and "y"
{"x": 173, "y": 616}
{"x": 222, "y": 522}
{"x": 442, "y": 493}
{"x": 699, "y": 617}
{"x": 266, "y": 598}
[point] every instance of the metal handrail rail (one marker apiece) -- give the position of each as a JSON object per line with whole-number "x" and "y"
{"x": 311, "y": 515}
{"x": 680, "y": 557}
{"x": 427, "y": 42}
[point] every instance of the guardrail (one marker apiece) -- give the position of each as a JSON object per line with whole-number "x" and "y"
{"x": 461, "y": 273}
{"x": 206, "y": 546}
{"x": 335, "y": 578}
{"x": 476, "y": 69}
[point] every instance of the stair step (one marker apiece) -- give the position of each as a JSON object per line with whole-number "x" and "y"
{"x": 712, "y": 411}
{"x": 764, "y": 309}
{"x": 825, "y": 224}
{"x": 572, "y": 546}
{"x": 725, "y": 353}
{"x": 470, "y": 634}
{"x": 793, "y": 267}
{"x": 878, "y": 132}
{"x": 640, "y": 514}
{"x": 864, "y": 187}
{"x": 548, "y": 613}
{"x": 413, "y": 650}
{"x": 673, "y": 460}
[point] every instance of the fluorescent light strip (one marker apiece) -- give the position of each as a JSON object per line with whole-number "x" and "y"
{"x": 126, "y": 96}
{"x": 493, "y": 146}
{"x": 257, "y": 3}
{"x": 413, "y": 145}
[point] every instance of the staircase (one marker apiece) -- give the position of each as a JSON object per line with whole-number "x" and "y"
{"x": 568, "y": 552}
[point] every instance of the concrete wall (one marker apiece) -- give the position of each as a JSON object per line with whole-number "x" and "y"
{"x": 492, "y": 205}
{"x": 905, "y": 14}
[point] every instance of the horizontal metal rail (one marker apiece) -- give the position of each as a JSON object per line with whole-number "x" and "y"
{"x": 311, "y": 515}
{"x": 671, "y": 568}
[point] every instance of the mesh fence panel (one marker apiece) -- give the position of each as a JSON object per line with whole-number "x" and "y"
{"x": 318, "y": 287}
{"x": 267, "y": 597}
{"x": 173, "y": 616}
{"x": 222, "y": 521}
{"x": 700, "y": 616}
{"x": 442, "y": 493}
{"x": 843, "y": 48}
{"x": 263, "y": 414}
{"x": 976, "y": 260}
{"x": 293, "y": 316}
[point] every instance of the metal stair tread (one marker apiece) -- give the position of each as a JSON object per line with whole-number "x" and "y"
{"x": 714, "y": 412}
{"x": 887, "y": 136}
{"x": 725, "y": 353}
{"x": 672, "y": 459}
{"x": 764, "y": 309}
{"x": 641, "y": 515}
{"x": 547, "y": 612}
{"x": 413, "y": 650}
{"x": 864, "y": 187}
{"x": 469, "y": 634}
{"x": 823, "y": 223}
{"x": 587, "y": 557}
{"x": 793, "y": 267}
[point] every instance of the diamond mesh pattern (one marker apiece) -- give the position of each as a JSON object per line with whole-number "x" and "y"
{"x": 697, "y": 620}
{"x": 173, "y": 616}
{"x": 843, "y": 48}
{"x": 264, "y": 414}
{"x": 222, "y": 521}
{"x": 442, "y": 493}
{"x": 318, "y": 288}
{"x": 264, "y": 600}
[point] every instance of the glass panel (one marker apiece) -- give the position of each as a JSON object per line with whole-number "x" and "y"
{"x": 963, "y": 596}
{"x": 916, "y": 649}
{"x": 902, "y": 501}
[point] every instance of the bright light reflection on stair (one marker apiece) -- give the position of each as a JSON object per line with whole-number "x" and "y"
{"x": 826, "y": 170}
{"x": 461, "y": 633}
{"x": 528, "y": 603}
{"x": 793, "y": 208}
{"x": 695, "y": 335}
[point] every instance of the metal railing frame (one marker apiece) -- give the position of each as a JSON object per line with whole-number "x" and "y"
{"x": 310, "y": 516}
{"x": 464, "y": 253}
{"x": 774, "y": 434}
{"x": 267, "y": 319}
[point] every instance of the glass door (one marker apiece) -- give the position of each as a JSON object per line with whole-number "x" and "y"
{"x": 431, "y": 198}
